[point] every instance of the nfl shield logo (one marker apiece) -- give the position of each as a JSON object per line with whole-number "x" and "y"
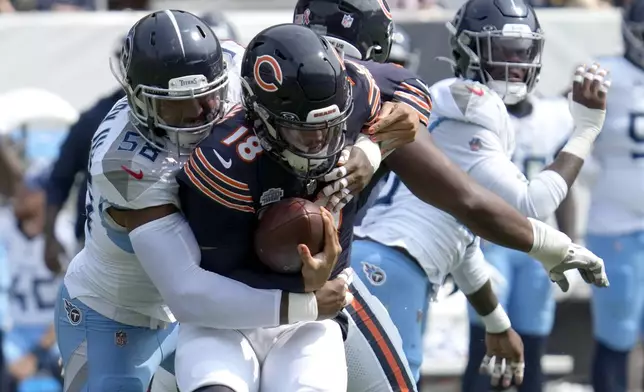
{"x": 347, "y": 21}
{"x": 475, "y": 144}
{"x": 120, "y": 338}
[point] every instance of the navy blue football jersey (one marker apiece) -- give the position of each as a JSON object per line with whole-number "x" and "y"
{"x": 396, "y": 84}
{"x": 228, "y": 180}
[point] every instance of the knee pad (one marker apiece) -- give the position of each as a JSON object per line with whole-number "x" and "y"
{"x": 214, "y": 388}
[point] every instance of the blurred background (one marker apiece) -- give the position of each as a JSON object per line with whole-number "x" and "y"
{"x": 56, "y": 86}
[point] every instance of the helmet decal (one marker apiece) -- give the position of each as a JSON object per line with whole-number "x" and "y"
{"x": 275, "y": 73}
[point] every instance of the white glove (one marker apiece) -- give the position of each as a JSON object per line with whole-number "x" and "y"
{"x": 557, "y": 253}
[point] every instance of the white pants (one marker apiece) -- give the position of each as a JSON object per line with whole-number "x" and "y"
{"x": 292, "y": 358}
{"x": 375, "y": 358}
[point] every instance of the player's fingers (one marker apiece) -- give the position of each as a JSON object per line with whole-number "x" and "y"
{"x": 497, "y": 371}
{"x": 598, "y": 80}
{"x": 346, "y": 199}
{"x": 485, "y": 368}
{"x": 336, "y": 186}
{"x": 506, "y": 377}
{"x": 344, "y": 156}
{"x": 384, "y": 121}
{"x": 331, "y": 241}
{"x": 338, "y": 172}
{"x": 518, "y": 370}
{"x": 589, "y": 76}
{"x": 305, "y": 256}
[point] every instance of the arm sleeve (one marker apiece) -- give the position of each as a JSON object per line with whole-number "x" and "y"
{"x": 170, "y": 256}
{"x": 480, "y": 153}
{"x": 472, "y": 273}
{"x": 72, "y": 159}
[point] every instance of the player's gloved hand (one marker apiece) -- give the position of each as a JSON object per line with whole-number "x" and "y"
{"x": 558, "y": 254}
{"x": 396, "y": 126}
{"x": 53, "y": 252}
{"x": 503, "y": 360}
{"x": 356, "y": 166}
{"x": 588, "y": 108}
{"x": 334, "y": 295}
{"x": 317, "y": 269}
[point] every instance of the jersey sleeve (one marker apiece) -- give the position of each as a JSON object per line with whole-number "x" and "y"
{"x": 366, "y": 93}
{"x": 220, "y": 210}
{"x": 398, "y": 84}
{"x": 128, "y": 173}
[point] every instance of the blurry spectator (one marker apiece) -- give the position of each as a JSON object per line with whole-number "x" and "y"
{"x": 72, "y": 160}
{"x": 29, "y": 348}
{"x": 140, "y": 5}
{"x": 10, "y": 171}
{"x": 6, "y": 6}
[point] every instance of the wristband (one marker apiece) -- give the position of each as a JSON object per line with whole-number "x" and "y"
{"x": 302, "y": 307}
{"x": 371, "y": 150}
{"x": 497, "y": 321}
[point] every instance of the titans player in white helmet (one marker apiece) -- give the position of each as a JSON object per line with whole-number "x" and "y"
{"x": 406, "y": 246}
{"x": 616, "y": 217}
{"x": 542, "y": 127}
{"x": 113, "y": 325}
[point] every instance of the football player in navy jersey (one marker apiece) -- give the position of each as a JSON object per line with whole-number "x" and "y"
{"x": 362, "y": 30}
{"x": 301, "y": 106}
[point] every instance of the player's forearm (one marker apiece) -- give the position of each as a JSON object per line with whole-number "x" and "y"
{"x": 169, "y": 254}
{"x": 10, "y": 172}
{"x": 484, "y": 301}
{"x": 567, "y": 166}
{"x": 566, "y": 215}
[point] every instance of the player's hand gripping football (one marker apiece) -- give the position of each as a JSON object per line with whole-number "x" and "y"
{"x": 396, "y": 126}
{"x": 334, "y": 295}
{"x": 352, "y": 175}
{"x": 503, "y": 360}
{"x": 317, "y": 269}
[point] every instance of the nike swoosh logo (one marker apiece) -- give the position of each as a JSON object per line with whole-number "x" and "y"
{"x": 226, "y": 163}
{"x": 476, "y": 90}
{"x": 137, "y": 175}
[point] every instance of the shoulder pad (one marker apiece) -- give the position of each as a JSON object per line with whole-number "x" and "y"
{"x": 469, "y": 101}
{"x": 224, "y": 164}
{"x": 128, "y": 172}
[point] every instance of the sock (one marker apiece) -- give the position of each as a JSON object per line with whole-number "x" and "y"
{"x": 609, "y": 369}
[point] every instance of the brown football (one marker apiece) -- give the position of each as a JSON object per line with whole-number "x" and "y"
{"x": 282, "y": 227}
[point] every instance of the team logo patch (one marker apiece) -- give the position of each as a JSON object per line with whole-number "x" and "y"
{"x": 267, "y": 73}
{"x": 375, "y": 275}
{"x": 347, "y": 21}
{"x": 74, "y": 314}
{"x": 475, "y": 144}
{"x": 120, "y": 338}
{"x": 271, "y": 196}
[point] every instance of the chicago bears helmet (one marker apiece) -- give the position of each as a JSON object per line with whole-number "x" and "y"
{"x": 361, "y": 29}
{"x": 298, "y": 97}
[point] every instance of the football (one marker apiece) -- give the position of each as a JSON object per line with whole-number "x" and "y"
{"x": 282, "y": 227}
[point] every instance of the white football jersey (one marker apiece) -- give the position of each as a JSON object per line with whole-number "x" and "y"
{"x": 541, "y": 134}
{"x": 617, "y": 196}
{"x": 34, "y": 289}
{"x": 465, "y": 115}
{"x": 471, "y": 125}
{"x": 126, "y": 172}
